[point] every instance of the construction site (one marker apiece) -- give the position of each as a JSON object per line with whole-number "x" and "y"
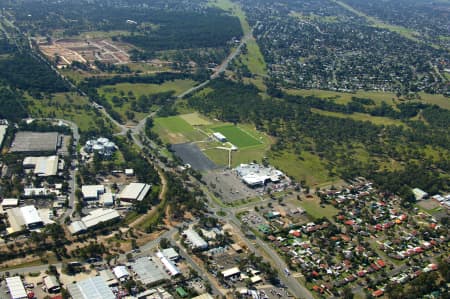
{"x": 86, "y": 51}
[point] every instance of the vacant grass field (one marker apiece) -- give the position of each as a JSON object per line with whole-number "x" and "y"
{"x": 178, "y": 86}
{"x": 237, "y": 136}
{"x": 175, "y": 129}
{"x": 378, "y": 97}
{"x": 313, "y": 208}
{"x": 377, "y": 120}
{"x": 195, "y": 119}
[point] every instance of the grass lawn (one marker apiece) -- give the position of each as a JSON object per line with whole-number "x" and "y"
{"x": 139, "y": 89}
{"x": 377, "y": 120}
{"x": 237, "y": 136}
{"x": 307, "y": 167}
{"x": 378, "y": 97}
{"x": 195, "y": 119}
{"x": 175, "y": 129}
{"x": 313, "y": 208}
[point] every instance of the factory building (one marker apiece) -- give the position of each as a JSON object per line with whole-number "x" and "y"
{"x": 16, "y": 287}
{"x": 92, "y": 192}
{"x": 93, "y": 219}
{"x": 134, "y": 192}
{"x": 42, "y": 166}
{"x": 24, "y": 217}
{"x": 94, "y": 287}
{"x": 195, "y": 240}
{"x": 102, "y": 146}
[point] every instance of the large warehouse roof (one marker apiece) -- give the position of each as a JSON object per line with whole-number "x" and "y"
{"x": 91, "y": 288}
{"x": 35, "y": 142}
{"x": 24, "y": 216}
{"x": 43, "y": 166}
{"x": 10, "y": 202}
{"x": 94, "y": 218}
{"x": 135, "y": 191}
{"x": 16, "y": 288}
{"x": 148, "y": 271}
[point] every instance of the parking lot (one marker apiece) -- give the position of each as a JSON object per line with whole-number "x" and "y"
{"x": 229, "y": 186}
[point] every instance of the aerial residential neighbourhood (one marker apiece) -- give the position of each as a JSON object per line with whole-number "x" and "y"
{"x": 206, "y": 149}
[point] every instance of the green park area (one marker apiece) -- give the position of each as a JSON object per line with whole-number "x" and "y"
{"x": 237, "y": 136}
{"x": 194, "y": 127}
{"x": 126, "y": 98}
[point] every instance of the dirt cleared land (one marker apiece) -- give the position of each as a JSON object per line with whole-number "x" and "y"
{"x": 89, "y": 50}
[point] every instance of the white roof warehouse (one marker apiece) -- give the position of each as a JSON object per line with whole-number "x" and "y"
{"x": 43, "y": 166}
{"x": 26, "y": 216}
{"x": 135, "y": 192}
{"x": 94, "y": 218}
{"x": 16, "y": 288}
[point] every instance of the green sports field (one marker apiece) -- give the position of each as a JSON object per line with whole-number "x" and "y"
{"x": 175, "y": 129}
{"x": 237, "y": 136}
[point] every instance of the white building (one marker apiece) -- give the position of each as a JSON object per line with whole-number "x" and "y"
{"x": 121, "y": 272}
{"x": 107, "y": 199}
{"x": 16, "y": 288}
{"x": 26, "y": 217}
{"x": 51, "y": 284}
{"x": 220, "y": 137}
{"x": 255, "y": 175}
{"x": 135, "y": 192}
{"x": 171, "y": 254}
{"x": 419, "y": 194}
{"x": 93, "y": 219}
{"x": 91, "y": 288}
{"x": 92, "y": 192}
{"x": 195, "y": 240}
{"x": 231, "y": 272}
{"x": 9, "y": 203}
{"x": 171, "y": 269}
{"x": 42, "y": 166}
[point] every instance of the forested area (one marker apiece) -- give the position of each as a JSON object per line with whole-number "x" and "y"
{"x": 337, "y": 140}
{"x": 12, "y": 106}
{"x": 23, "y": 71}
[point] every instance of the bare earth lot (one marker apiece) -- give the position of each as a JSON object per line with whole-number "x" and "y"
{"x": 88, "y": 50}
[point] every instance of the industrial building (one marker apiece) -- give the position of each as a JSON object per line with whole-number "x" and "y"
{"x": 109, "y": 277}
{"x": 149, "y": 271}
{"x": 419, "y": 194}
{"x": 134, "y": 192}
{"x": 27, "y": 142}
{"x": 91, "y": 288}
{"x": 92, "y": 192}
{"x": 195, "y": 240}
{"x": 52, "y": 284}
{"x": 170, "y": 254}
{"x": 107, "y": 199}
{"x": 93, "y": 219}
{"x": 254, "y": 175}
{"x": 231, "y": 272}
{"x": 23, "y": 217}
{"x": 203, "y": 296}
{"x": 42, "y": 166}
{"x": 170, "y": 267}
{"x": 121, "y": 272}
{"x": 37, "y": 192}
{"x": 16, "y": 288}
{"x": 102, "y": 146}
{"x": 220, "y": 137}
{"x": 8, "y": 203}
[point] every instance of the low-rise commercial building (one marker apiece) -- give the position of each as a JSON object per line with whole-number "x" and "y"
{"x": 149, "y": 270}
{"x": 8, "y": 203}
